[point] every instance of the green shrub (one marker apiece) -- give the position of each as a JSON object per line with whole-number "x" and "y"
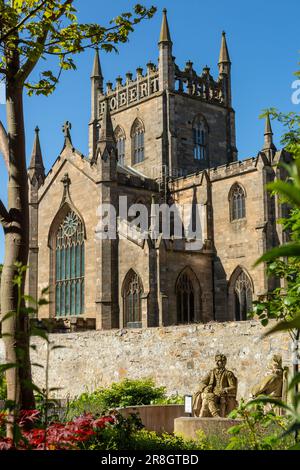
{"x": 169, "y": 400}
{"x": 151, "y": 441}
{"x": 127, "y": 434}
{"x": 121, "y": 394}
{"x": 259, "y": 429}
{"x": 3, "y": 391}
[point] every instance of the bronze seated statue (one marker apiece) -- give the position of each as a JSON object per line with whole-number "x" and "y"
{"x": 216, "y": 396}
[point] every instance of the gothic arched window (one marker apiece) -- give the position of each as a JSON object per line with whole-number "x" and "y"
{"x": 200, "y": 133}
{"x": 69, "y": 267}
{"x": 120, "y": 140}
{"x": 237, "y": 203}
{"x": 243, "y": 296}
{"x": 185, "y": 299}
{"x": 138, "y": 141}
{"x": 132, "y": 297}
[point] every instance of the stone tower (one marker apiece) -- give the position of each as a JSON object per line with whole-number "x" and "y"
{"x": 179, "y": 109}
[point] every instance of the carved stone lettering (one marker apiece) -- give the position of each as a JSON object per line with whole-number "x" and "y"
{"x": 155, "y": 85}
{"x": 113, "y": 103}
{"x": 144, "y": 90}
{"x": 123, "y": 99}
{"x": 132, "y": 94}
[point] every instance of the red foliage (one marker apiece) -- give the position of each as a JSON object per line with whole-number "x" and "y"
{"x": 6, "y": 444}
{"x": 57, "y": 436}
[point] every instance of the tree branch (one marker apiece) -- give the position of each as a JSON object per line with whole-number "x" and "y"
{"x": 5, "y": 219}
{"x": 29, "y": 65}
{"x": 23, "y": 21}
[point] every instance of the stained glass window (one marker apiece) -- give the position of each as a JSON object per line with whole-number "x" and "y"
{"x": 69, "y": 267}
{"x": 243, "y": 297}
{"x": 185, "y": 300}
{"x": 200, "y": 139}
{"x": 237, "y": 203}
{"x": 132, "y": 298}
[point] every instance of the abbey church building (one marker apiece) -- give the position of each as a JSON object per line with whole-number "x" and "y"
{"x": 163, "y": 136}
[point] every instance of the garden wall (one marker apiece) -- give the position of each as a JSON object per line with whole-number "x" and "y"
{"x": 176, "y": 357}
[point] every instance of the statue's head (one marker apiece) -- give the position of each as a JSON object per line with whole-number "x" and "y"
{"x": 276, "y": 362}
{"x": 221, "y": 360}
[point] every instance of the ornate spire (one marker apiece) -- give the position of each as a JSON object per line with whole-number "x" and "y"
{"x": 268, "y": 143}
{"x": 97, "y": 72}
{"x": 96, "y": 89}
{"x": 166, "y": 60}
{"x": 224, "y": 65}
{"x": 224, "y": 54}
{"x": 165, "y": 35}
{"x": 268, "y": 127}
{"x": 107, "y": 131}
{"x": 106, "y": 152}
{"x": 36, "y": 167}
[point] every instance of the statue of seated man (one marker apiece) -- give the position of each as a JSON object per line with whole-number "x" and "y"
{"x": 275, "y": 383}
{"x": 217, "y": 394}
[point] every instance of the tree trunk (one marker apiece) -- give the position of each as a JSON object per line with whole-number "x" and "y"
{"x": 15, "y": 328}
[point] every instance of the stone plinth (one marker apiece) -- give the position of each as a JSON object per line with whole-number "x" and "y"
{"x": 158, "y": 418}
{"x": 188, "y": 427}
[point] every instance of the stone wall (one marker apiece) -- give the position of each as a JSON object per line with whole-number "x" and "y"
{"x": 176, "y": 357}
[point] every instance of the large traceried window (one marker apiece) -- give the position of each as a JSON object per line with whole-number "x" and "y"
{"x": 69, "y": 267}
{"x": 138, "y": 141}
{"x": 132, "y": 293}
{"x": 237, "y": 202}
{"x": 185, "y": 299}
{"x": 120, "y": 140}
{"x": 243, "y": 296}
{"x": 200, "y": 134}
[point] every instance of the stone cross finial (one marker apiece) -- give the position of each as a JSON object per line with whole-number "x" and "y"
{"x": 66, "y": 131}
{"x": 66, "y": 128}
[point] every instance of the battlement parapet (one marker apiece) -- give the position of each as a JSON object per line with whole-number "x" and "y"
{"x": 132, "y": 91}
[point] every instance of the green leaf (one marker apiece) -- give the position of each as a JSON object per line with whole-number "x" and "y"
{"x": 288, "y": 250}
{"x": 284, "y": 326}
{"x": 234, "y": 430}
{"x": 5, "y": 367}
{"x": 35, "y": 331}
{"x": 295, "y": 380}
{"x": 267, "y": 400}
{"x": 29, "y": 298}
{"x": 7, "y": 316}
{"x": 31, "y": 386}
{"x": 288, "y": 190}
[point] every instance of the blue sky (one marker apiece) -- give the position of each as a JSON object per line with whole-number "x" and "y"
{"x": 263, "y": 40}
